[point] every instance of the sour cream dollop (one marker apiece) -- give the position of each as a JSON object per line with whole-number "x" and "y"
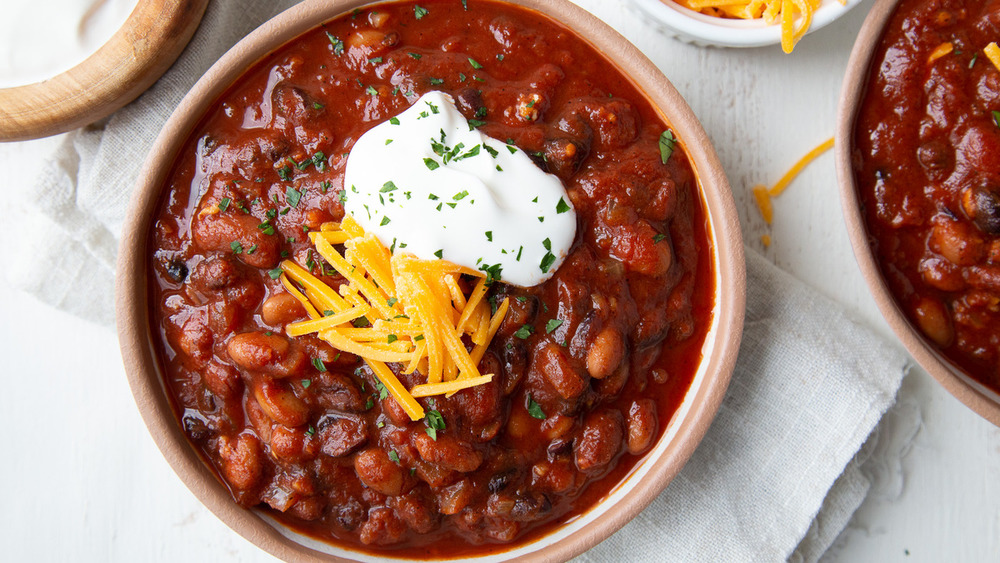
{"x": 429, "y": 183}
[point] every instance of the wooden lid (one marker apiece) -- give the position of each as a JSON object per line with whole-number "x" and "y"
{"x": 130, "y": 62}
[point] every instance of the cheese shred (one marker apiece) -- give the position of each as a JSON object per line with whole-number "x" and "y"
{"x": 763, "y": 195}
{"x": 993, "y": 54}
{"x": 793, "y": 16}
{"x": 396, "y": 308}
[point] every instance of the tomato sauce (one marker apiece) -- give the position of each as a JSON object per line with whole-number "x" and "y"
{"x": 302, "y": 430}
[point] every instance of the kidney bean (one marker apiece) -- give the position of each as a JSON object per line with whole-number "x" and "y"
{"x": 195, "y": 339}
{"x": 281, "y": 309}
{"x": 641, "y": 425}
{"x": 448, "y": 452}
{"x": 551, "y": 364}
{"x": 279, "y": 403}
{"x": 218, "y": 231}
{"x": 214, "y": 274}
{"x": 242, "y": 460}
{"x": 340, "y": 435}
{"x": 605, "y": 353}
{"x": 336, "y": 391}
{"x": 222, "y": 380}
{"x": 553, "y": 475}
{"x": 599, "y": 441}
{"x": 434, "y": 475}
{"x": 378, "y": 472}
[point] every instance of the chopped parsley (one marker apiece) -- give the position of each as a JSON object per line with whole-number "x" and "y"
{"x": 434, "y": 422}
{"x": 524, "y": 332}
{"x": 547, "y": 261}
{"x": 275, "y": 273}
{"x": 475, "y": 64}
{"x": 338, "y": 45}
{"x": 318, "y": 364}
{"x": 431, "y": 164}
{"x": 394, "y": 120}
{"x": 439, "y": 252}
{"x": 420, "y": 11}
{"x": 372, "y": 91}
{"x": 552, "y": 325}
{"x": 224, "y": 204}
{"x": 292, "y": 196}
{"x": 237, "y": 247}
{"x": 382, "y": 391}
{"x": 489, "y": 236}
{"x": 306, "y": 383}
{"x": 492, "y": 272}
{"x": 437, "y": 81}
{"x": 658, "y": 237}
{"x": 535, "y": 410}
{"x": 394, "y": 456}
{"x": 667, "y": 143}
{"x": 416, "y": 56}
{"x": 562, "y": 206}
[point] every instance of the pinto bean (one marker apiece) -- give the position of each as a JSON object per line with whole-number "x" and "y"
{"x": 272, "y": 354}
{"x": 605, "y": 353}
{"x": 288, "y": 444}
{"x": 958, "y": 242}
{"x": 599, "y": 441}
{"x": 641, "y": 425}
{"x": 934, "y": 321}
{"x": 242, "y": 460}
{"x": 279, "y": 403}
{"x": 281, "y": 309}
{"x": 378, "y": 472}
{"x": 448, "y": 452}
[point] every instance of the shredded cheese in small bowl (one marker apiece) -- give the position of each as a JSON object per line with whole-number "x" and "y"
{"x": 742, "y": 23}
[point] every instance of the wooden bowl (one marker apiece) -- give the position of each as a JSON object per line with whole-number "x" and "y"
{"x": 130, "y": 62}
{"x": 979, "y": 398}
{"x": 649, "y": 476}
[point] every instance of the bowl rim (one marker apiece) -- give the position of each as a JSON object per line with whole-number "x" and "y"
{"x": 725, "y": 32}
{"x": 137, "y": 343}
{"x": 973, "y": 394}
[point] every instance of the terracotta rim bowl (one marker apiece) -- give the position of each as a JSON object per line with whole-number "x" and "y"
{"x": 693, "y": 27}
{"x": 650, "y": 474}
{"x": 977, "y": 397}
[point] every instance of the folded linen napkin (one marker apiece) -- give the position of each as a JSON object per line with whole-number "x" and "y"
{"x": 775, "y": 477}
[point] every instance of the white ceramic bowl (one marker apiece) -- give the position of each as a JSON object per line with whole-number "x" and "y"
{"x": 692, "y": 27}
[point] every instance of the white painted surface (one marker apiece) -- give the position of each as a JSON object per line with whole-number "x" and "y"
{"x": 83, "y": 481}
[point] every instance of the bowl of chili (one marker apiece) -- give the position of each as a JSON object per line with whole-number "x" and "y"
{"x": 919, "y": 173}
{"x": 322, "y": 443}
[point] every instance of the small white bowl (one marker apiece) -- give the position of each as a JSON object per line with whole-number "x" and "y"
{"x": 699, "y": 29}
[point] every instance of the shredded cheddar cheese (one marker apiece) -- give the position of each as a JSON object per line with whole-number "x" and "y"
{"x": 763, "y": 194}
{"x": 940, "y": 51}
{"x": 993, "y": 54}
{"x": 782, "y": 12}
{"x": 416, "y": 313}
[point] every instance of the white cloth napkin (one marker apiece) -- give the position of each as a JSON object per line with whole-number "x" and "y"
{"x": 776, "y": 476}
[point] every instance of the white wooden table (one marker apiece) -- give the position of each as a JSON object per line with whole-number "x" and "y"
{"x": 78, "y": 463}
